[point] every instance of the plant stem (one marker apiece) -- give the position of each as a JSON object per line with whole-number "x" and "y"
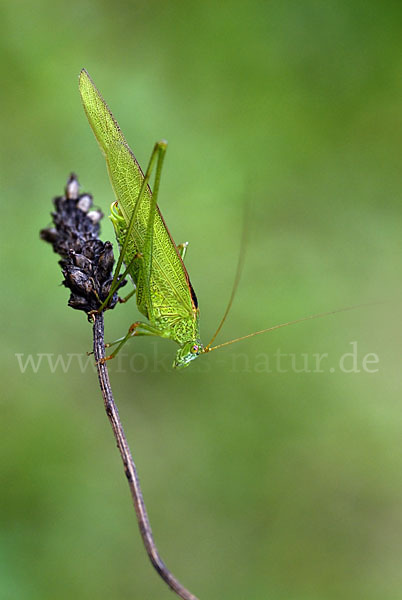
{"x": 129, "y": 465}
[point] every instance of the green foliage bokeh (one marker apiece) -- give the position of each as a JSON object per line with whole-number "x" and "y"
{"x": 262, "y": 480}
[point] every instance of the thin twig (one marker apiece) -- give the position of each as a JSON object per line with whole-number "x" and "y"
{"x": 87, "y": 265}
{"x": 129, "y": 465}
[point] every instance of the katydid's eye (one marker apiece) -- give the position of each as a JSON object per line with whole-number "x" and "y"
{"x": 194, "y": 349}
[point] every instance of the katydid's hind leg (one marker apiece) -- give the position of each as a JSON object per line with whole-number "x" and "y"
{"x": 136, "y": 257}
{"x": 122, "y": 277}
{"x": 158, "y": 155}
{"x": 182, "y": 248}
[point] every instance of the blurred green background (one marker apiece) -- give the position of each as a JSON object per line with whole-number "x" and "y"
{"x": 281, "y": 484}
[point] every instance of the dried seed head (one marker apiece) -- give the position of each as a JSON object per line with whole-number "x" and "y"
{"x": 86, "y": 261}
{"x": 72, "y": 187}
{"x": 84, "y": 203}
{"x": 95, "y": 216}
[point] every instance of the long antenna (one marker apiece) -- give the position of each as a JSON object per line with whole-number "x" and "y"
{"x": 239, "y": 269}
{"x": 317, "y": 316}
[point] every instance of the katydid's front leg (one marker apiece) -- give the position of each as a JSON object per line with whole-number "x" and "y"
{"x": 136, "y": 329}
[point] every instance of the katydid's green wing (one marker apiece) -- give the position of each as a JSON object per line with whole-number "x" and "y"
{"x": 169, "y": 286}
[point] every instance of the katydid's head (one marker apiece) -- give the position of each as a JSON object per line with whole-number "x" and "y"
{"x": 186, "y": 353}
